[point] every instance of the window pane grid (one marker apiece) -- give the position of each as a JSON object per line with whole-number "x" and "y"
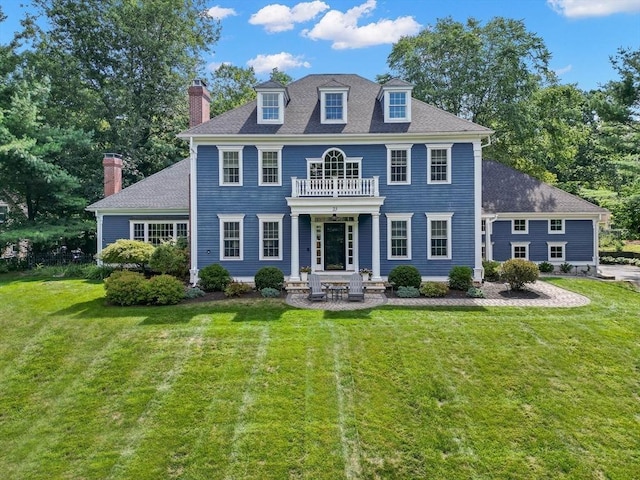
{"x": 556, "y": 225}
{"x": 231, "y": 167}
{"x": 520, "y": 225}
{"x": 520, "y": 251}
{"x": 270, "y": 107}
{"x": 232, "y": 239}
{"x": 160, "y": 232}
{"x": 138, "y": 231}
{"x": 439, "y": 162}
{"x": 398, "y": 238}
{"x": 270, "y": 167}
{"x": 556, "y": 252}
{"x": 398, "y": 165}
{"x": 439, "y": 241}
{"x": 397, "y": 105}
{"x": 333, "y": 106}
{"x": 270, "y": 239}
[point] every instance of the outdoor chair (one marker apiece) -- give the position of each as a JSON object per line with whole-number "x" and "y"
{"x": 356, "y": 288}
{"x": 316, "y": 293}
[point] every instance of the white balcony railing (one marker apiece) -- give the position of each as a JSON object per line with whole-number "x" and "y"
{"x": 334, "y": 187}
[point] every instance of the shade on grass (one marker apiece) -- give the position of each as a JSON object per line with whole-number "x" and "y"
{"x": 240, "y": 389}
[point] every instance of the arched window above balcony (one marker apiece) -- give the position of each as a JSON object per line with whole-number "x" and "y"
{"x": 334, "y": 164}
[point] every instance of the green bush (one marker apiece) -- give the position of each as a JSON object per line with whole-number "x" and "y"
{"x": 124, "y": 287}
{"x": 461, "y": 278}
{"x": 434, "y": 289}
{"x": 165, "y": 290}
{"x": 97, "y": 272}
{"x": 170, "y": 259}
{"x": 566, "y": 267}
{"x": 193, "y": 292}
{"x": 517, "y": 271}
{"x": 214, "y": 278}
{"x": 127, "y": 252}
{"x": 405, "y": 276}
{"x": 546, "y": 267}
{"x": 270, "y": 292}
{"x": 269, "y": 277}
{"x": 407, "y": 292}
{"x": 4, "y": 268}
{"x": 475, "y": 292}
{"x": 236, "y": 289}
{"x": 491, "y": 270}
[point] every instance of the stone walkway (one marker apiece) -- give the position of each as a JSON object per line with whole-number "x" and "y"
{"x": 549, "y": 296}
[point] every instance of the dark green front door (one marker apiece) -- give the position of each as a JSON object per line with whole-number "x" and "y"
{"x": 334, "y": 251}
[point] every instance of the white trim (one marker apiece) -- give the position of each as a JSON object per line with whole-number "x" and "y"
{"x": 230, "y": 217}
{"x": 99, "y": 221}
{"x": 406, "y": 217}
{"x": 478, "y": 273}
{"x": 556, "y": 244}
{"x": 273, "y": 121}
{"x": 403, "y": 147}
{"x": 270, "y": 217}
{"x": 556, "y": 232}
{"x": 519, "y": 232}
{"x": 441, "y": 146}
{"x": 269, "y": 148}
{"x": 323, "y": 114}
{"x": 222, "y": 149}
{"x": 387, "y": 104}
{"x": 520, "y": 244}
{"x": 193, "y": 211}
{"x": 439, "y": 217}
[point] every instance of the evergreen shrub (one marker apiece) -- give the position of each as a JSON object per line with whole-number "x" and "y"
{"x": 405, "y": 276}
{"x": 165, "y": 290}
{"x": 461, "y": 278}
{"x": 269, "y": 277}
{"x": 518, "y": 271}
{"x": 434, "y": 289}
{"x": 214, "y": 278}
{"x": 124, "y": 287}
{"x": 408, "y": 292}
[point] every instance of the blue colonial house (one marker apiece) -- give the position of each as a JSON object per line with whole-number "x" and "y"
{"x": 339, "y": 173}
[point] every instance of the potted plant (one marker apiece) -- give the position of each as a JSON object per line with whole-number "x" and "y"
{"x": 366, "y": 273}
{"x": 304, "y": 271}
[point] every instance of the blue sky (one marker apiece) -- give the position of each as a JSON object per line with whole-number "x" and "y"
{"x": 355, "y": 36}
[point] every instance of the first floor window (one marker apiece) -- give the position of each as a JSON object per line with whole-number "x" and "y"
{"x": 439, "y": 235}
{"x": 231, "y": 233}
{"x": 556, "y": 251}
{"x": 159, "y": 232}
{"x": 399, "y": 236}
{"x": 270, "y": 237}
{"x": 520, "y": 250}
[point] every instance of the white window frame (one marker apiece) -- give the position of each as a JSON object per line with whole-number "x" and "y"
{"x": 268, "y": 217}
{"x": 387, "y": 107}
{"x": 231, "y": 217}
{"x": 221, "y": 151}
{"x": 323, "y": 102}
{"x": 407, "y": 149}
{"x": 269, "y": 148}
{"x": 519, "y": 232}
{"x": 441, "y": 146}
{"x": 562, "y": 226}
{"x": 439, "y": 217}
{"x": 556, "y": 244}
{"x": 520, "y": 244}
{"x": 146, "y": 224}
{"x": 272, "y": 121}
{"x": 394, "y": 217}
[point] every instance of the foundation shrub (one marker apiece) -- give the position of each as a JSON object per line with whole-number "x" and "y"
{"x": 405, "y": 276}
{"x": 269, "y": 277}
{"x": 214, "y": 278}
{"x": 434, "y": 289}
{"x": 517, "y": 272}
{"x": 461, "y": 278}
{"x": 165, "y": 290}
{"x": 124, "y": 287}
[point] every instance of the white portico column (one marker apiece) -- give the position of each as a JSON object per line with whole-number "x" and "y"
{"x": 375, "y": 246}
{"x": 295, "y": 254}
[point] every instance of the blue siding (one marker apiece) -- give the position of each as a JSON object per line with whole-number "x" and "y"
{"x": 417, "y": 198}
{"x": 116, "y": 227}
{"x": 578, "y": 235}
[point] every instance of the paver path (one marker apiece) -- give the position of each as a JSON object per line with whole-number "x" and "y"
{"x": 549, "y": 296}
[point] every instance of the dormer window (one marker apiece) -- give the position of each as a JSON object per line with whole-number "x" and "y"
{"x": 395, "y": 96}
{"x": 272, "y": 98}
{"x": 333, "y": 102}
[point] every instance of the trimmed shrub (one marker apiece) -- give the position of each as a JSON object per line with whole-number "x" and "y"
{"x": 434, "y": 289}
{"x": 517, "y": 271}
{"x": 461, "y": 278}
{"x": 170, "y": 259}
{"x": 269, "y": 292}
{"x": 236, "y": 289}
{"x": 546, "y": 267}
{"x": 214, "y": 278}
{"x": 405, "y": 276}
{"x": 475, "y": 292}
{"x": 269, "y": 277}
{"x": 124, "y": 287}
{"x": 407, "y": 292}
{"x": 165, "y": 290}
{"x": 491, "y": 273}
{"x": 127, "y": 252}
{"x": 193, "y": 292}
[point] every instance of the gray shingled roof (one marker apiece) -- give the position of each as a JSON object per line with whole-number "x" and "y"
{"x": 166, "y": 190}
{"x": 364, "y": 112}
{"x": 506, "y": 190}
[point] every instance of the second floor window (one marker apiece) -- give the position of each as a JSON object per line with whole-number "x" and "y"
{"x": 439, "y": 163}
{"x": 519, "y": 225}
{"x": 269, "y": 165}
{"x": 398, "y": 164}
{"x": 230, "y": 166}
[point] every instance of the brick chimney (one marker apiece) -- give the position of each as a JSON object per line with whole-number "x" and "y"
{"x": 199, "y": 101}
{"x": 112, "y": 163}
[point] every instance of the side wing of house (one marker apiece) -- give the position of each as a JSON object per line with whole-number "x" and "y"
{"x": 526, "y": 218}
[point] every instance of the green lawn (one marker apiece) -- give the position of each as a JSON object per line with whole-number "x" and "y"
{"x": 260, "y": 390}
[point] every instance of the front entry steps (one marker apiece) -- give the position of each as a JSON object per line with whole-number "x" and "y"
{"x": 335, "y": 278}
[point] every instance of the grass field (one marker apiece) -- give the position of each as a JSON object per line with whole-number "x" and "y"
{"x": 239, "y": 390}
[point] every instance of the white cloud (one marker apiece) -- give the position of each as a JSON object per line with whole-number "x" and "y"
{"x": 342, "y": 28}
{"x": 220, "y": 12}
{"x": 280, "y": 18}
{"x": 561, "y": 71}
{"x": 593, "y": 8}
{"x": 282, "y": 61}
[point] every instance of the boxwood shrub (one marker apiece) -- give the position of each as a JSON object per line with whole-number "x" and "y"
{"x": 269, "y": 277}
{"x": 461, "y": 278}
{"x": 405, "y": 276}
{"x": 214, "y": 278}
{"x": 434, "y": 289}
{"x": 124, "y": 287}
{"x": 165, "y": 290}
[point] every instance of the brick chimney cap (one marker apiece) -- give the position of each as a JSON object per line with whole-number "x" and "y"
{"x": 112, "y": 155}
{"x": 198, "y": 82}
